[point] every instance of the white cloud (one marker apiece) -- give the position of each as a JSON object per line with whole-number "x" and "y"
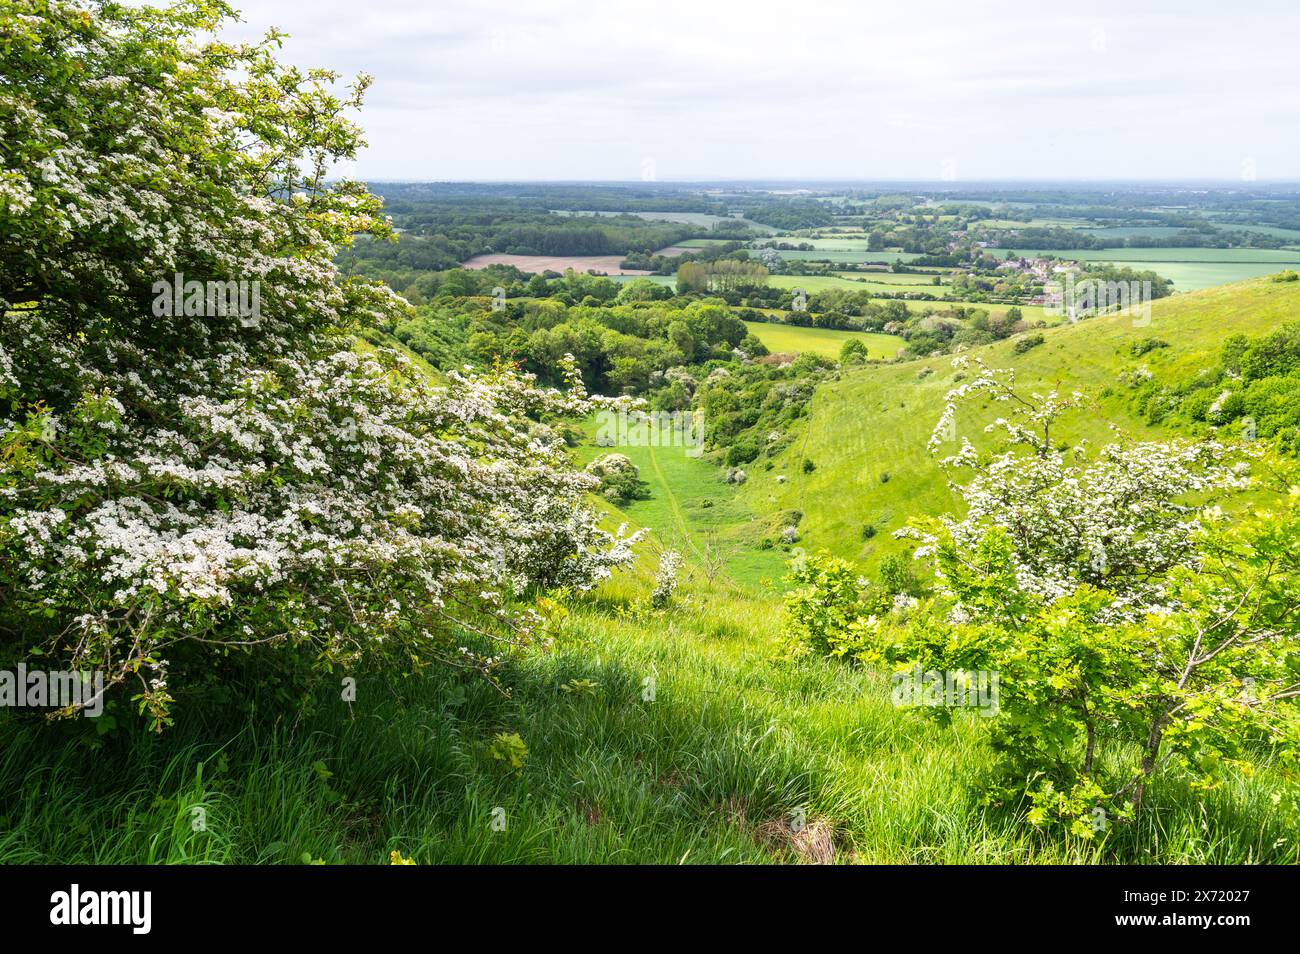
{"x": 504, "y": 90}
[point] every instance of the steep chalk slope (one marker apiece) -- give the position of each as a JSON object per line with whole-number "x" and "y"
{"x": 867, "y": 432}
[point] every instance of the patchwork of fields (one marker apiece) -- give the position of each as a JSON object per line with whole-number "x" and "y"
{"x": 706, "y": 219}
{"x": 1190, "y": 268}
{"x": 817, "y": 283}
{"x": 846, "y": 255}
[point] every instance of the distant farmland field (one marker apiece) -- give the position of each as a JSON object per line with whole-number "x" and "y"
{"x": 1193, "y": 276}
{"x": 605, "y": 264}
{"x": 1119, "y": 231}
{"x": 895, "y": 288}
{"x": 1190, "y": 268}
{"x": 817, "y": 283}
{"x": 889, "y": 283}
{"x": 706, "y": 219}
{"x": 1172, "y": 254}
{"x": 688, "y": 218}
{"x": 1291, "y": 235}
{"x": 836, "y": 242}
{"x": 668, "y": 280}
{"x": 1029, "y": 223}
{"x": 854, "y": 254}
{"x": 813, "y": 283}
{"x": 892, "y": 278}
{"x": 823, "y": 341}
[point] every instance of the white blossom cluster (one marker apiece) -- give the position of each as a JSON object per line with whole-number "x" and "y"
{"x": 336, "y": 498}
{"x": 174, "y": 483}
{"x": 670, "y": 563}
{"x": 1118, "y": 518}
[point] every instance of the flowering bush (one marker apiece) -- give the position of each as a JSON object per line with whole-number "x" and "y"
{"x": 1133, "y": 626}
{"x": 1130, "y": 624}
{"x": 670, "y": 563}
{"x": 620, "y": 481}
{"x": 193, "y": 483}
{"x": 1117, "y": 519}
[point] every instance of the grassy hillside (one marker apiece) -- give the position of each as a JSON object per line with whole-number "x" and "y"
{"x": 733, "y": 747}
{"x": 867, "y": 431}
{"x": 736, "y": 755}
{"x": 689, "y": 506}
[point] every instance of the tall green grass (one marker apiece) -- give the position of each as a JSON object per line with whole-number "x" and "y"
{"x": 735, "y": 744}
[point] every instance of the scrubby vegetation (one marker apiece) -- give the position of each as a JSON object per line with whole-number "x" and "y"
{"x": 1125, "y": 624}
{"x": 372, "y": 576}
{"x": 1253, "y": 391}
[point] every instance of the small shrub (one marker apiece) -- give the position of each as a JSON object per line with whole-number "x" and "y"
{"x": 1026, "y": 343}
{"x": 620, "y": 480}
{"x": 509, "y": 748}
{"x": 853, "y": 351}
{"x": 670, "y": 561}
{"x": 1138, "y": 348}
{"x": 822, "y": 603}
{"x": 743, "y": 451}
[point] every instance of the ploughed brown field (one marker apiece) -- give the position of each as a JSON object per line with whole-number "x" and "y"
{"x": 603, "y": 264}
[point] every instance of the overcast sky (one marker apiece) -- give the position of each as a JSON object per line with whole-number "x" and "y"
{"x": 809, "y": 89}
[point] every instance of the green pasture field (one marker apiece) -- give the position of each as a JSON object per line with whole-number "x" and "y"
{"x": 920, "y": 279}
{"x": 657, "y": 279}
{"x": 703, "y": 219}
{"x": 1235, "y": 256}
{"x": 1120, "y": 231}
{"x": 689, "y": 506}
{"x": 1029, "y": 223}
{"x": 1193, "y": 276}
{"x": 823, "y": 341}
{"x": 813, "y": 283}
{"x": 846, "y": 255}
{"x": 1190, "y": 268}
{"x": 1291, "y": 235}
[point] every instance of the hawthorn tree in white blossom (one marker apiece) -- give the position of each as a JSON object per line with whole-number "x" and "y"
{"x": 1134, "y": 625}
{"x": 1117, "y": 518}
{"x": 178, "y": 486}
